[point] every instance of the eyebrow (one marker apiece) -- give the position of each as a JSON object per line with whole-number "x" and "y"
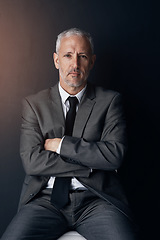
{"x": 78, "y": 53}
{"x": 68, "y": 52}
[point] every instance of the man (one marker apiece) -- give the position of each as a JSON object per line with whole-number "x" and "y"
{"x": 71, "y": 175}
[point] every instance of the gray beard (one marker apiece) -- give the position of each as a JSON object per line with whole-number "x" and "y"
{"x": 78, "y": 84}
{"x": 70, "y": 84}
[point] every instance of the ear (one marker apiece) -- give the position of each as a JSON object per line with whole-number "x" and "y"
{"x": 56, "y": 60}
{"x": 93, "y": 59}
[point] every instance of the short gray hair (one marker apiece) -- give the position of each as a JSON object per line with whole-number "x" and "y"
{"x": 71, "y": 32}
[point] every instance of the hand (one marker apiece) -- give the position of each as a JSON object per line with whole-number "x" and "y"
{"x": 52, "y": 144}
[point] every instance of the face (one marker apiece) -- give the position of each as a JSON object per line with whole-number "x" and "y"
{"x": 74, "y": 61}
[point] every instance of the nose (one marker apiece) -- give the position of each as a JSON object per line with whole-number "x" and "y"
{"x": 76, "y": 61}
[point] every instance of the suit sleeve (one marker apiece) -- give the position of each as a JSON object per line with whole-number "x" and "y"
{"x": 36, "y": 160}
{"x": 106, "y": 153}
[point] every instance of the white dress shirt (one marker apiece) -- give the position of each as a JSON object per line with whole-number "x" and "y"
{"x": 75, "y": 184}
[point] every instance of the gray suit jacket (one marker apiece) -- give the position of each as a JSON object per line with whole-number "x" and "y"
{"x": 98, "y": 143}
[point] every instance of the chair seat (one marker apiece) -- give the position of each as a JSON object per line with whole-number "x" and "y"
{"x": 72, "y": 235}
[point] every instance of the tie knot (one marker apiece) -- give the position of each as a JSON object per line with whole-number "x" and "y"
{"x": 73, "y": 101}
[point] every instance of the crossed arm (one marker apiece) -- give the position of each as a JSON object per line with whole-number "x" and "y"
{"x": 77, "y": 155}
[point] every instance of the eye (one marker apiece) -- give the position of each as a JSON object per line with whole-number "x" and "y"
{"x": 83, "y": 56}
{"x": 67, "y": 55}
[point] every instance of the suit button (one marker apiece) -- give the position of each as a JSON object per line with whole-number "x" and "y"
{"x": 32, "y": 194}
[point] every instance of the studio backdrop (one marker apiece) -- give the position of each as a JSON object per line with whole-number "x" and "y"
{"x": 126, "y": 36}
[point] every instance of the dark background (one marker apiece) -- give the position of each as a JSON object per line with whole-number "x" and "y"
{"x": 127, "y": 37}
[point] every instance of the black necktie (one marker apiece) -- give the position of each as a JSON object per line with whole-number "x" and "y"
{"x": 60, "y": 192}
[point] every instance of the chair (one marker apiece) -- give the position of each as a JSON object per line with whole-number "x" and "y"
{"x": 71, "y": 235}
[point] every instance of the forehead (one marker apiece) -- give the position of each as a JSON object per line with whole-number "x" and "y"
{"x": 75, "y": 43}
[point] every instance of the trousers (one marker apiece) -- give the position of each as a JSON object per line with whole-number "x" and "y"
{"x": 92, "y": 217}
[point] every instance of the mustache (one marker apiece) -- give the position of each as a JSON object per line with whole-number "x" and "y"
{"x": 74, "y": 70}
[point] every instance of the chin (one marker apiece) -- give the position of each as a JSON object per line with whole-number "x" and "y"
{"x": 75, "y": 84}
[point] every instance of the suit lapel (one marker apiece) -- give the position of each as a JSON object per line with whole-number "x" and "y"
{"x": 82, "y": 116}
{"x": 84, "y": 111}
{"x": 58, "y": 115}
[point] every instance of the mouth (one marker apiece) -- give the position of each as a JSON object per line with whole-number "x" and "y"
{"x": 74, "y": 74}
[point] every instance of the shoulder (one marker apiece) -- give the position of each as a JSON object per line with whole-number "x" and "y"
{"x": 103, "y": 94}
{"x": 41, "y": 96}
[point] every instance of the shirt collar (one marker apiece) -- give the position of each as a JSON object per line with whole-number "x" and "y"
{"x": 64, "y": 95}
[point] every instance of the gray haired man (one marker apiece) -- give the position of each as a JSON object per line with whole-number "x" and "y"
{"x": 71, "y": 177}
